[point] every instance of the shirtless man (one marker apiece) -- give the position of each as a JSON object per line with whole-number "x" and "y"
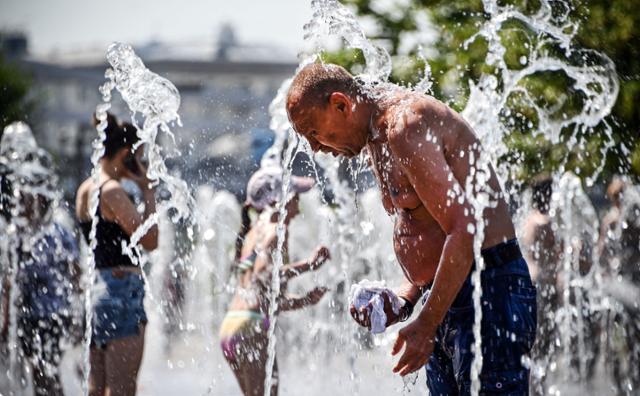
{"x": 420, "y": 152}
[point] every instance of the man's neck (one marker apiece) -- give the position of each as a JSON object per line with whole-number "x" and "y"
{"x": 374, "y": 130}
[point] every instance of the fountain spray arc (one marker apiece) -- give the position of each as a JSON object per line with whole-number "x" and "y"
{"x": 488, "y": 109}
{"x": 25, "y": 169}
{"x": 380, "y": 68}
{"x": 156, "y": 100}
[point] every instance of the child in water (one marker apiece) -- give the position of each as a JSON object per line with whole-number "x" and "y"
{"x": 244, "y": 330}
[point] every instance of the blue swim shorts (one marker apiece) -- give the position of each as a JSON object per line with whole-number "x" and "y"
{"x": 508, "y": 330}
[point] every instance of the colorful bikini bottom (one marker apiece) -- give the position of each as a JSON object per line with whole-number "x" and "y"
{"x": 237, "y": 331}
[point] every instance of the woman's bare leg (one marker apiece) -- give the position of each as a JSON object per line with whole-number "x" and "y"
{"x": 122, "y": 361}
{"x": 96, "y": 372}
{"x": 240, "y": 372}
{"x": 255, "y": 372}
{"x": 242, "y": 365}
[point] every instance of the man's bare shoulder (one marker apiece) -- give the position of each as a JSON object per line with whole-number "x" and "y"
{"x": 420, "y": 116}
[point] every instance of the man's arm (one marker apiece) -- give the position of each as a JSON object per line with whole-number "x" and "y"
{"x": 423, "y": 162}
{"x": 409, "y": 292}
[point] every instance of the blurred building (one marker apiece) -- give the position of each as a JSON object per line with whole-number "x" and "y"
{"x": 226, "y": 88}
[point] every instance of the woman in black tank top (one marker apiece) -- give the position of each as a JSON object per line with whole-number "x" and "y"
{"x": 119, "y": 317}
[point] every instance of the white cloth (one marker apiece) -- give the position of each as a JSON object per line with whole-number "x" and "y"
{"x": 366, "y": 292}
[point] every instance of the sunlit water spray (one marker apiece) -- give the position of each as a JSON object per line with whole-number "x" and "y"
{"x": 278, "y": 263}
{"x": 27, "y": 171}
{"x": 332, "y": 19}
{"x": 156, "y": 100}
{"x": 488, "y": 110}
{"x": 621, "y": 300}
{"x": 490, "y": 114}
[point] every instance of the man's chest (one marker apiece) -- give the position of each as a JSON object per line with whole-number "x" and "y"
{"x": 392, "y": 178}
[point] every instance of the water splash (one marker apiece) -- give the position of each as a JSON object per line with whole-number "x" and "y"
{"x": 488, "y": 109}
{"x": 330, "y": 18}
{"x": 278, "y": 262}
{"x": 94, "y": 200}
{"x": 578, "y": 236}
{"x": 156, "y": 100}
{"x": 592, "y": 74}
{"x": 26, "y": 169}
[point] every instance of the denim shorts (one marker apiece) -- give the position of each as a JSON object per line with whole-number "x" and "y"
{"x": 118, "y": 309}
{"x": 508, "y": 333}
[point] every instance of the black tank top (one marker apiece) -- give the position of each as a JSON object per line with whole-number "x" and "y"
{"x": 110, "y": 237}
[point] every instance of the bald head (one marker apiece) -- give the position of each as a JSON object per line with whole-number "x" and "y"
{"x": 324, "y": 107}
{"x": 314, "y": 84}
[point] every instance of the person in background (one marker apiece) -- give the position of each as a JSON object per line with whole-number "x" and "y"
{"x": 119, "y": 317}
{"x": 175, "y": 278}
{"x": 244, "y": 330}
{"x": 619, "y": 249}
{"x": 543, "y": 253}
{"x": 48, "y": 272}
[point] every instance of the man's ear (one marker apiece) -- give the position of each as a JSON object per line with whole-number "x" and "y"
{"x": 341, "y": 102}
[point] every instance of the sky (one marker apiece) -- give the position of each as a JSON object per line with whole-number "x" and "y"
{"x": 67, "y": 25}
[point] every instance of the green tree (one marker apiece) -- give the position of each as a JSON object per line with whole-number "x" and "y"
{"x": 610, "y": 27}
{"x": 15, "y": 105}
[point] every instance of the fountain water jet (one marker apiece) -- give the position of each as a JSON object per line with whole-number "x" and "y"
{"x": 592, "y": 74}
{"x": 157, "y": 100}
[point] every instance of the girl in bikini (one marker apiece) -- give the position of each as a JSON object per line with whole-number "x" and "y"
{"x": 244, "y": 330}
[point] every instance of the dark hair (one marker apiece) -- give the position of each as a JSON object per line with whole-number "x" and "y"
{"x": 244, "y": 229}
{"x": 6, "y": 194}
{"x": 541, "y": 187}
{"x": 118, "y": 135}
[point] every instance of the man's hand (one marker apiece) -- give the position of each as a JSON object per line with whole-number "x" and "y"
{"x": 320, "y": 256}
{"x": 361, "y": 316}
{"x": 418, "y": 342}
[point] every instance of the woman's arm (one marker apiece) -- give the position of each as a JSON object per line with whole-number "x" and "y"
{"x": 320, "y": 256}
{"x": 118, "y": 206}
